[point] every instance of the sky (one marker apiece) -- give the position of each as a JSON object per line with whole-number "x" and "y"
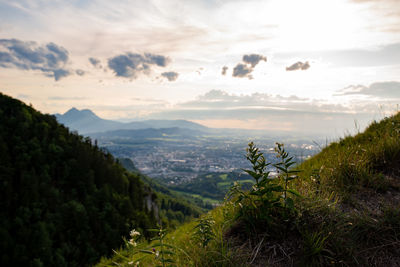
{"x": 301, "y": 66}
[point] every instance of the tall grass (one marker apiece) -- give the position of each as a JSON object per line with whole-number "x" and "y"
{"x": 354, "y": 162}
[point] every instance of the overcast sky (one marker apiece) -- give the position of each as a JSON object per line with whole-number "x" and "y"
{"x": 256, "y": 64}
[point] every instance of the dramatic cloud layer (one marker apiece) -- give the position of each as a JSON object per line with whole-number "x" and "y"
{"x": 50, "y": 59}
{"x": 130, "y": 65}
{"x": 170, "y": 75}
{"x": 244, "y": 70}
{"x": 218, "y": 108}
{"x": 223, "y": 100}
{"x": 298, "y": 66}
{"x": 380, "y": 89}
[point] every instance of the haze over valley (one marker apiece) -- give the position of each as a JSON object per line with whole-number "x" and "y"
{"x": 176, "y": 151}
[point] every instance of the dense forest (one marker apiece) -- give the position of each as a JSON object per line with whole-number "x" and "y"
{"x": 65, "y": 201}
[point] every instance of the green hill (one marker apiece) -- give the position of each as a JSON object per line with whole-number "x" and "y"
{"x": 64, "y": 201}
{"x": 339, "y": 208}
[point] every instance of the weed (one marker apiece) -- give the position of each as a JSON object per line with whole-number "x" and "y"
{"x": 203, "y": 231}
{"x": 162, "y": 250}
{"x": 268, "y": 200}
{"x": 315, "y": 251}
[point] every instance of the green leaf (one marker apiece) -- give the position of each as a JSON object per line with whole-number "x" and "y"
{"x": 288, "y": 160}
{"x": 290, "y": 164}
{"x": 253, "y": 174}
{"x": 146, "y": 251}
{"x": 256, "y": 193}
{"x": 294, "y": 192}
{"x": 282, "y": 169}
{"x": 289, "y": 202}
{"x": 169, "y": 246}
{"x": 153, "y": 230}
{"x": 277, "y": 188}
{"x": 266, "y": 175}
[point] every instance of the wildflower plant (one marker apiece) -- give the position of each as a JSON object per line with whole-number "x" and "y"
{"x": 135, "y": 235}
{"x": 203, "y": 231}
{"x": 159, "y": 249}
{"x": 163, "y": 251}
{"x": 269, "y": 195}
{"x": 135, "y": 256}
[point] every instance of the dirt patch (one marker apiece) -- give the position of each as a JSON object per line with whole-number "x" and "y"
{"x": 263, "y": 249}
{"x": 367, "y": 200}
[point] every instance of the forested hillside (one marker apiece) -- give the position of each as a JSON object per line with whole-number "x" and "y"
{"x": 64, "y": 201}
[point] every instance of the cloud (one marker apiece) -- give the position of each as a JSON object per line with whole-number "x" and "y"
{"x": 223, "y": 100}
{"x": 384, "y": 55}
{"x": 95, "y": 62}
{"x": 217, "y": 108}
{"x": 380, "y": 56}
{"x": 50, "y": 59}
{"x": 170, "y": 75}
{"x": 224, "y": 69}
{"x": 80, "y": 72}
{"x": 298, "y": 66}
{"x": 156, "y": 59}
{"x": 61, "y": 98}
{"x": 253, "y": 59}
{"x": 60, "y": 73}
{"x": 390, "y": 89}
{"x": 130, "y": 65}
{"x": 244, "y": 70}
{"x": 388, "y": 7}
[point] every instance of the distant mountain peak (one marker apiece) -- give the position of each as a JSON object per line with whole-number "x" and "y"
{"x": 71, "y": 110}
{"x": 86, "y": 121}
{"x": 79, "y": 114}
{"x": 88, "y": 112}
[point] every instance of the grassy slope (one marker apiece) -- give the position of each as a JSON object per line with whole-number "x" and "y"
{"x": 349, "y": 215}
{"x": 212, "y": 187}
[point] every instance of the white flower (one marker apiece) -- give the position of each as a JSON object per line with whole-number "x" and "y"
{"x": 130, "y": 263}
{"x": 134, "y": 233}
{"x": 132, "y": 242}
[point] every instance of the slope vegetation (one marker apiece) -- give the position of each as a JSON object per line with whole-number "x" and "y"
{"x": 341, "y": 207}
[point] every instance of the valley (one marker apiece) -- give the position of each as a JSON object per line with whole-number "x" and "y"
{"x": 176, "y": 152}
{"x": 197, "y": 162}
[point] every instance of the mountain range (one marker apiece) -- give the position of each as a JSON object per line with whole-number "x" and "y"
{"x": 86, "y": 121}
